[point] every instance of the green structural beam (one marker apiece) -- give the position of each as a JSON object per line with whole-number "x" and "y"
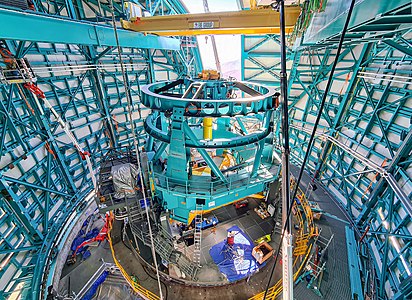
{"x": 25, "y": 26}
{"x": 397, "y": 46}
{"x": 330, "y": 23}
{"x": 353, "y": 261}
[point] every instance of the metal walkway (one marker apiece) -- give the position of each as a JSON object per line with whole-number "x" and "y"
{"x": 336, "y": 280}
{"x": 163, "y": 241}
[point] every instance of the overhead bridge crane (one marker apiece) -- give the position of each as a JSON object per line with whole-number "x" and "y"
{"x": 256, "y": 21}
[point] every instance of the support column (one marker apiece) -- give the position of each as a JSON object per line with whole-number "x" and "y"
{"x": 207, "y": 128}
{"x": 204, "y": 153}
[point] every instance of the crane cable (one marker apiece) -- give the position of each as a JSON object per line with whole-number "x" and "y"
{"x": 213, "y": 40}
{"x": 129, "y": 109}
{"x": 325, "y": 94}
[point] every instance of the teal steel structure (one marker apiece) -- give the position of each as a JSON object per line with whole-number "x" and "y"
{"x": 44, "y": 182}
{"x": 175, "y": 129}
{"x": 362, "y": 153}
{"x": 363, "y": 147}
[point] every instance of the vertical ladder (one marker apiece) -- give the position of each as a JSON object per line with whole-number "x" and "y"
{"x": 198, "y": 234}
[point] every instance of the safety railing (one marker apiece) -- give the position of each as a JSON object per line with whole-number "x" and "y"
{"x": 137, "y": 288}
{"x": 199, "y": 184}
{"x": 274, "y": 291}
{"x": 307, "y": 230}
{"x": 112, "y": 199}
{"x": 304, "y": 215}
{"x": 104, "y": 267}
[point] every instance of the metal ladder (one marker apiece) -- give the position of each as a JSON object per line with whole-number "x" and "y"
{"x": 319, "y": 267}
{"x": 278, "y": 220}
{"x": 198, "y": 234}
{"x": 163, "y": 243}
{"x": 136, "y": 212}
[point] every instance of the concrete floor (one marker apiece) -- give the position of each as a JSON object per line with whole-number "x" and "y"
{"x": 245, "y": 218}
{"x": 335, "y": 285}
{"x": 250, "y": 223}
{"x": 238, "y": 291}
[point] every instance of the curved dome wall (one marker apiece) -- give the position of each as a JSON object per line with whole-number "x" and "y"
{"x": 43, "y": 179}
{"x": 363, "y": 144}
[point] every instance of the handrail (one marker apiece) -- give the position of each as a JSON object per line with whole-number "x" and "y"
{"x": 240, "y": 179}
{"x": 137, "y": 288}
{"x": 104, "y": 267}
{"x": 303, "y": 235}
{"x": 110, "y": 200}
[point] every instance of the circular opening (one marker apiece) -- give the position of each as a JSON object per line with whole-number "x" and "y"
{"x": 223, "y": 108}
{"x": 258, "y": 105}
{"x": 208, "y": 108}
{"x": 237, "y": 108}
{"x": 192, "y": 109}
{"x": 249, "y": 107}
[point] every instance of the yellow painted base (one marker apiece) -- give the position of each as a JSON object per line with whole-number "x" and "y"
{"x": 193, "y": 213}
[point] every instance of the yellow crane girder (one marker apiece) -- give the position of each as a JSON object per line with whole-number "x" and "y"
{"x": 258, "y": 21}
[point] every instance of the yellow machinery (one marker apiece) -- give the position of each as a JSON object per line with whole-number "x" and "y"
{"x": 207, "y": 128}
{"x": 209, "y": 75}
{"x": 256, "y": 21}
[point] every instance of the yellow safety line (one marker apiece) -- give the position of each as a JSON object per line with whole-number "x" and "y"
{"x": 137, "y": 288}
{"x": 303, "y": 238}
{"x": 275, "y": 290}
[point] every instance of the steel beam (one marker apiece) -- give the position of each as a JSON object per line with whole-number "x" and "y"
{"x": 211, "y": 164}
{"x": 403, "y": 150}
{"x": 20, "y": 249}
{"x": 329, "y": 23}
{"x": 19, "y": 212}
{"x": 259, "y": 21}
{"x": 24, "y": 26}
{"x": 395, "y": 45}
{"x": 34, "y": 186}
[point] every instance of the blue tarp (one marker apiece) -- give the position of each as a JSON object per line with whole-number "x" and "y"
{"x": 235, "y": 262}
{"x": 93, "y": 289}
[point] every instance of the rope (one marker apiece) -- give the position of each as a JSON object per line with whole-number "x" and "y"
{"x": 129, "y": 109}
{"x": 47, "y": 146}
{"x": 373, "y": 180}
{"x": 137, "y": 288}
{"x": 346, "y": 82}
{"x": 25, "y": 100}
